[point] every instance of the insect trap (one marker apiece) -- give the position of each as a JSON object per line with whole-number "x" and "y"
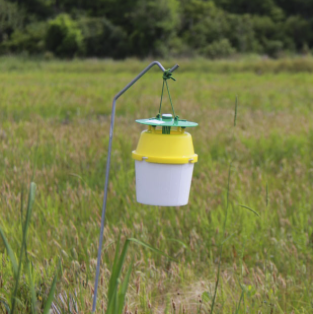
{"x": 164, "y": 158}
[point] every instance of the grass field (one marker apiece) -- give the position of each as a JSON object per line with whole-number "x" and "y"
{"x": 54, "y": 125}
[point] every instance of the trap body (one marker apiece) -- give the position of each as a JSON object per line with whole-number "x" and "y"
{"x": 164, "y": 161}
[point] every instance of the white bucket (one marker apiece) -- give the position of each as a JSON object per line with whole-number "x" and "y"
{"x": 163, "y": 184}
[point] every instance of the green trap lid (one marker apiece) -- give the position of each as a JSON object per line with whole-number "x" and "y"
{"x": 167, "y": 120}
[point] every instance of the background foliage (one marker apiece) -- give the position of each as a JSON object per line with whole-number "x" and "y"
{"x": 141, "y": 28}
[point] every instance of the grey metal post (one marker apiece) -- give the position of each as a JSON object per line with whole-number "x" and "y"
{"x": 108, "y": 167}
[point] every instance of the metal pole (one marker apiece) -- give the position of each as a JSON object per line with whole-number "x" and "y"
{"x": 108, "y": 168}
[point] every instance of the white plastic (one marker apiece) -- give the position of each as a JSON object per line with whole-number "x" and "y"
{"x": 163, "y": 184}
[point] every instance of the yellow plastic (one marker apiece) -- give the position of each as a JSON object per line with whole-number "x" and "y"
{"x": 173, "y": 148}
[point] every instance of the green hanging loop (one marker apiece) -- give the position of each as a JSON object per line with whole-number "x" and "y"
{"x": 167, "y": 74}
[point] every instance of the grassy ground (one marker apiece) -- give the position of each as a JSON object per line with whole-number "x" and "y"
{"x": 54, "y": 130}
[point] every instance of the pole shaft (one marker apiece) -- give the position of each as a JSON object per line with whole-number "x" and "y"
{"x": 108, "y": 168}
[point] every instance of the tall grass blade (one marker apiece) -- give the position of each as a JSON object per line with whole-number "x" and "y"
{"x": 241, "y": 296}
{"x": 22, "y": 205}
{"x": 31, "y": 199}
{"x": 6, "y": 306}
{"x": 229, "y": 237}
{"x": 116, "y": 302}
{"x": 32, "y": 290}
{"x": 112, "y": 301}
{"x": 123, "y": 290}
{"x": 266, "y": 197}
{"x": 116, "y": 296}
{"x": 150, "y": 247}
{"x": 178, "y": 241}
{"x": 75, "y": 301}
{"x": 111, "y": 283}
{"x": 235, "y": 116}
{"x": 116, "y": 271}
{"x": 34, "y": 165}
{"x": 10, "y": 254}
{"x": 50, "y": 298}
{"x": 252, "y": 210}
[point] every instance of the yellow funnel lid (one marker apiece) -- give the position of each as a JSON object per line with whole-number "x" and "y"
{"x": 173, "y": 148}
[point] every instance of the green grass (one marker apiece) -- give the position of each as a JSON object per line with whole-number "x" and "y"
{"x": 54, "y": 127}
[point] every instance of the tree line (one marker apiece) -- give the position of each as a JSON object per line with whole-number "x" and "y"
{"x": 143, "y": 28}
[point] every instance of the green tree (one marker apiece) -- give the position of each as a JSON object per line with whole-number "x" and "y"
{"x": 119, "y": 28}
{"x": 30, "y": 39}
{"x": 102, "y": 38}
{"x": 154, "y": 24}
{"x": 299, "y": 30}
{"x": 11, "y": 18}
{"x": 64, "y": 38}
{"x": 37, "y": 9}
